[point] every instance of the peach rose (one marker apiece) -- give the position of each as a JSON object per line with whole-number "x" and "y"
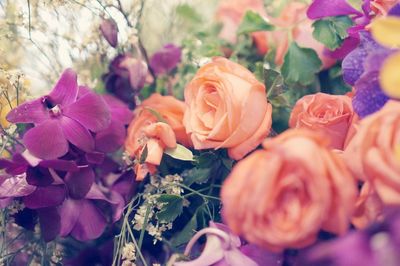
{"x": 330, "y": 115}
{"x": 227, "y": 107}
{"x": 372, "y": 154}
{"x": 282, "y": 196}
{"x": 293, "y": 18}
{"x": 368, "y": 209}
{"x": 146, "y": 132}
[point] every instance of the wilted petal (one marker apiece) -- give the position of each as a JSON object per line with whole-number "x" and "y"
{"x": 137, "y": 71}
{"x": 69, "y": 211}
{"x": 109, "y": 29}
{"x": 38, "y": 176}
{"x": 112, "y": 138}
{"x": 91, "y": 111}
{"x": 166, "y": 59}
{"x": 78, "y": 135}
{"x": 49, "y": 223}
{"x": 90, "y": 224}
{"x": 44, "y": 197}
{"x": 79, "y": 183}
{"x": 29, "y": 112}
{"x": 66, "y": 89}
{"x": 330, "y": 8}
{"x": 15, "y": 186}
{"x": 46, "y": 140}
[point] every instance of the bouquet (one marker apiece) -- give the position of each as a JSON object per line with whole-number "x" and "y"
{"x": 244, "y": 132}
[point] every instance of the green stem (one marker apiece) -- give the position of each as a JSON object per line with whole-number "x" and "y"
{"x": 146, "y": 217}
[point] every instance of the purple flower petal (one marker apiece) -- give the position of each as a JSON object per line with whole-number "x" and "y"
{"x": 94, "y": 157}
{"x": 46, "y": 140}
{"x": 262, "y": 256}
{"x": 125, "y": 185}
{"x": 119, "y": 110}
{"x": 60, "y": 165}
{"x": 29, "y": 112}
{"x": 349, "y": 44}
{"x": 69, "y": 211}
{"x": 234, "y": 257}
{"x": 369, "y": 97}
{"x": 90, "y": 224}
{"x": 112, "y": 138}
{"x": 38, "y": 176}
{"x": 44, "y": 197}
{"x": 166, "y": 59}
{"x": 66, "y": 89}
{"x": 137, "y": 70}
{"x": 78, "y": 135}
{"x": 49, "y": 223}
{"x": 15, "y": 186}
{"x": 79, "y": 183}
{"x": 395, "y": 10}
{"x": 109, "y": 29}
{"x": 330, "y": 8}
{"x": 91, "y": 111}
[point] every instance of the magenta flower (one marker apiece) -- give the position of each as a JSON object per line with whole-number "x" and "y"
{"x": 61, "y": 117}
{"x": 109, "y": 29}
{"x": 223, "y": 248}
{"x": 166, "y": 59}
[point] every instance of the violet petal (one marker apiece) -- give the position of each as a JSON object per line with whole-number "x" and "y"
{"x": 44, "y": 197}
{"x": 234, "y": 257}
{"x": 90, "y": 224}
{"x": 112, "y": 138}
{"x": 49, "y": 223}
{"x": 262, "y": 256}
{"x": 395, "y": 10}
{"x": 166, "y": 59}
{"x": 38, "y": 176}
{"x": 94, "y": 157}
{"x": 91, "y": 111}
{"x": 77, "y": 134}
{"x": 330, "y": 8}
{"x": 15, "y": 186}
{"x": 119, "y": 110}
{"x": 29, "y": 112}
{"x": 79, "y": 183}
{"x": 60, "y": 165}
{"x": 66, "y": 89}
{"x": 109, "y": 29}
{"x": 137, "y": 71}
{"x": 46, "y": 140}
{"x": 69, "y": 211}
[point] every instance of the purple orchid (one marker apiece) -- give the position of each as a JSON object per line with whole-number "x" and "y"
{"x": 109, "y": 29}
{"x": 61, "y": 117}
{"x": 377, "y": 245}
{"x": 166, "y": 59}
{"x": 223, "y": 248}
{"x": 327, "y": 8}
{"x": 126, "y": 77}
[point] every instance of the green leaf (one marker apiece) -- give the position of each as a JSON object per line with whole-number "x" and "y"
{"x": 196, "y": 175}
{"x": 188, "y": 13}
{"x": 300, "y": 65}
{"x": 144, "y": 154}
{"x": 172, "y": 206}
{"x": 332, "y": 31}
{"x": 180, "y": 152}
{"x": 252, "y": 22}
{"x": 190, "y": 228}
{"x": 274, "y": 83}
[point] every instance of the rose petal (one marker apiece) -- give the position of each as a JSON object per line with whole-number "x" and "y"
{"x": 90, "y": 224}
{"x": 44, "y": 197}
{"x": 29, "y": 112}
{"x": 79, "y": 183}
{"x": 49, "y": 223}
{"x": 91, "y": 111}
{"x": 78, "y": 135}
{"x": 66, "y": 89}
{"x": 46, "y": 140}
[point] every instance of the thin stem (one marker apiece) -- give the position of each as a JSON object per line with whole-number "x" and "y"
{"x": 146, "y": 217}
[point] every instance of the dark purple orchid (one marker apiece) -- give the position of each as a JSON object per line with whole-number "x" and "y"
{"x": 61, "y": 117}
{"x": 165, "y": 59}
{"x": 126, "y": 77}
{"x": 223, "y": 248}
{"x": 109, "y": 29}
{"x": 377, "y": 245}
{"x": 327, "y": 8}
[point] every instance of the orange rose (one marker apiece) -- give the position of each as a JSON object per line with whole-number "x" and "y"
{"x": 282, "y": 196}
{"x": 292, "y": 19}
{"x": 146, "y": 132}
{"x": 330, "y": 115}
{"x": 227, "y": 107}
{"x": 372, "y": 154}
{"x": 368, "y": 209}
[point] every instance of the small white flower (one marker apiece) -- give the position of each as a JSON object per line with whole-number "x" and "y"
{"x": 129, "y": 252}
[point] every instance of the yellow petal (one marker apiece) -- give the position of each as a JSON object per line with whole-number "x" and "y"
{"x": 387, "y": 31}
{"x": 390, "y": 76}
{"x": 397, "y": 152}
